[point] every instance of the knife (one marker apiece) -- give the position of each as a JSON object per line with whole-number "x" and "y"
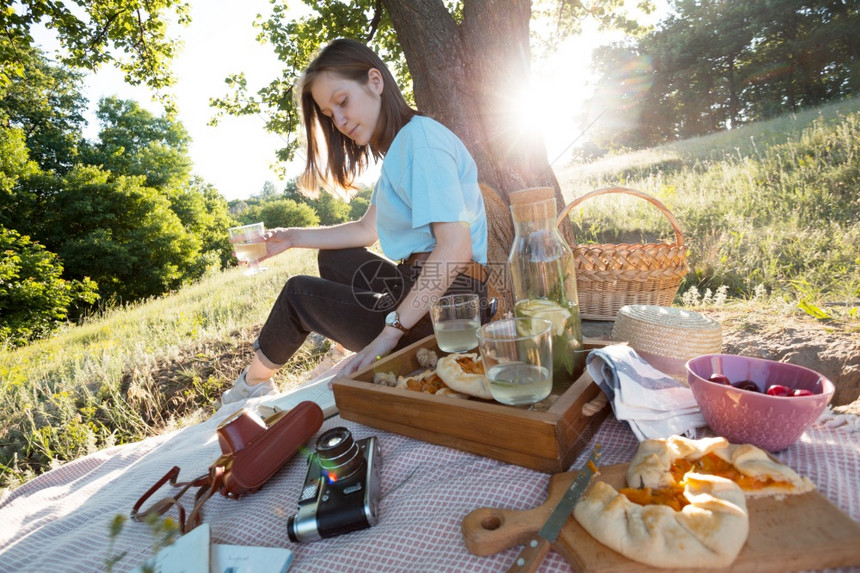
{"x": 538, "y": 545}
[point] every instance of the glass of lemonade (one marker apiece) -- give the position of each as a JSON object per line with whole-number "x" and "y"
{"x": 249, "y": 245}
{"x": 517, "y": 355}
{"x": 456, "y": 318}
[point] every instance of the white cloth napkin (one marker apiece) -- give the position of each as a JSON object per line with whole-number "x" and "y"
{"x": 653, "y": 403}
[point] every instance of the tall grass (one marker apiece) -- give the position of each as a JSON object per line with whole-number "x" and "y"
{"x": 137, "y": 370}
{"x": 775, "y": 204}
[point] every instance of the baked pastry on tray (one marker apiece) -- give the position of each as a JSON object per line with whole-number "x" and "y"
{"x": 454, "y": 376}
{"x": 464, "y": 373}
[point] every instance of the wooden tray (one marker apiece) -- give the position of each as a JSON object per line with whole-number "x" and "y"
{"x": 790, "y": 533}
{"x": 547, "y": 441}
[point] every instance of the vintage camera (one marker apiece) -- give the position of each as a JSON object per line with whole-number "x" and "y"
{"x": 341, "y": 490}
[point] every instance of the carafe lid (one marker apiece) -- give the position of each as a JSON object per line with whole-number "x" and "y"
{"x": 531, "y": 195}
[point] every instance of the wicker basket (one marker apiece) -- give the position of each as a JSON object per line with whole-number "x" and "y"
{"x": 611, "y": 276}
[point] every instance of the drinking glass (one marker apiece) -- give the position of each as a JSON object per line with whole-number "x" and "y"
{"x": 249, "y": 245}
{"x": 517, "y": 355}
{"x": 455, "y": 319}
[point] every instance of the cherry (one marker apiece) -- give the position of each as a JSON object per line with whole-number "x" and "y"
{"x": 801, "y": 392}
{"x": 746, "y": 385}
{"x": 720, "y": 379}
{"x": 778, "y": 390}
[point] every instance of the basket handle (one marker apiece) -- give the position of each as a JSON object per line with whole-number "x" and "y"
{"x": 610, "y": 190}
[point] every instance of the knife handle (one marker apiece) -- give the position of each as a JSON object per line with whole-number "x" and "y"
{"x": 487, "y": 531}
{"x": 531, "y": 556}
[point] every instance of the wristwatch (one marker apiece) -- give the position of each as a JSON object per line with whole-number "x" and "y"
{"x": 393, "y": 319}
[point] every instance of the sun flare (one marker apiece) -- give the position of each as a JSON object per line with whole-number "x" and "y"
{"x": 554, "y": 102}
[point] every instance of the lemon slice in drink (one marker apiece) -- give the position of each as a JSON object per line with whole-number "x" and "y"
{"x": 548, "y": 310}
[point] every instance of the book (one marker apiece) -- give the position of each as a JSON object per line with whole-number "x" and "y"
{"x": 318, "y": 391}
{"x": 194, "y": 553}
{"x": 188, "y": 554}
{"x": 249, "y": 559}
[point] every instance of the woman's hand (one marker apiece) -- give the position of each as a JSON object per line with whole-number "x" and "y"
{"x": 361, "y": 233}
{"x": 278, "y": 240}
{"x": 379, "y": 347}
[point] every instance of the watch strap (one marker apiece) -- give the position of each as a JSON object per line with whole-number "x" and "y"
{"x": 397, "y": 324}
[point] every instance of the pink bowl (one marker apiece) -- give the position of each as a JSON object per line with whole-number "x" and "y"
{"x": 743, "y": 417}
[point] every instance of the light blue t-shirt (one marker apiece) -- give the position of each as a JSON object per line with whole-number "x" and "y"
{"x": 428, "y": 176}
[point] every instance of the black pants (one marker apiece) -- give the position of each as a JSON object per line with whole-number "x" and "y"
{"x": 348, "y": 303}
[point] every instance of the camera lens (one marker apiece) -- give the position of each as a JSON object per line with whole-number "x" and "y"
{"x": 339, "y": 455}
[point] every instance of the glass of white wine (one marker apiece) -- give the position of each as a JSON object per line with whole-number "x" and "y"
{"x": 249, "y": 245}
{"x": 517, "y": 355}
{"x": 456, "y": 318}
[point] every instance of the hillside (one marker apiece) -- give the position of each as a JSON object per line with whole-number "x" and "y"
{"x": 747, "y": 141}
{"x": 770, "y": 213}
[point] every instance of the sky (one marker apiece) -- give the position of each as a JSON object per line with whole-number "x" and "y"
{"x": 236, "y": 156}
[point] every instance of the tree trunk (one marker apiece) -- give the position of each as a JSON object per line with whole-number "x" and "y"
{"x": 733, "y": 96}
{"x": 464, "y": 75}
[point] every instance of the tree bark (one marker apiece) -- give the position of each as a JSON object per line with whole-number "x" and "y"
{"x": 465, "y": 76}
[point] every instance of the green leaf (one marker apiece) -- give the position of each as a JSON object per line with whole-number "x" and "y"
{"x": 813, "y": 310}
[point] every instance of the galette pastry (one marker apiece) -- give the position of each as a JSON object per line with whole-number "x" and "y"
{"x": 708, "y": 532}
{"x": 663, "y": 463}
{"x": 685, "y": 504}
{"x": 464, "y": 373}
{"x": 427, "y": 381}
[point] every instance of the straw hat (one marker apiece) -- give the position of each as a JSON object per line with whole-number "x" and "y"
{"x": 667, "y": 337}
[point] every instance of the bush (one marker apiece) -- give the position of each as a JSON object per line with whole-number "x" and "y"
{"x": 34, "y": 300}
{"x": 330, "y": 209}
{"x": 282, "y": 213}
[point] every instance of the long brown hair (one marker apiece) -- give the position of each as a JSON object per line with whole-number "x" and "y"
{"x": 352, "y": 60}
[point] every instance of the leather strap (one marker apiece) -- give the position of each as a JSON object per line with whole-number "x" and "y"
{"x": 210, "y": 481}
{"x": 216, "y": 481}
{"x": 473, "y": 270}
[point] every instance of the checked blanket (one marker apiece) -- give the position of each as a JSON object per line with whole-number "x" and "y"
{"x": 60, "y": 520}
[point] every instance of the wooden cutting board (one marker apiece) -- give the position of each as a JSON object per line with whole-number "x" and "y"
{"x": 797, "y": 532}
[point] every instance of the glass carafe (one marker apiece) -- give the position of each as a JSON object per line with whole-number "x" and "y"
{"x": 544, "y": 279}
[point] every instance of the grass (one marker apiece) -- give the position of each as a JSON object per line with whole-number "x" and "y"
{"x": 773, "y": 205}
{"x": 770, "y": 212}
{"x": 139, "y": 370}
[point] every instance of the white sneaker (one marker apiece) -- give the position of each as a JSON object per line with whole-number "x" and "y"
{"x": 241, "y": 390}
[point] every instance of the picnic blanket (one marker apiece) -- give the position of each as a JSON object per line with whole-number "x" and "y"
{"x": 60, "y": 520}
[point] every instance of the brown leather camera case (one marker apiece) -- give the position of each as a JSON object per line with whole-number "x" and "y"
{"x": 257, "y": 462}
{"x": 251, "y": 456}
